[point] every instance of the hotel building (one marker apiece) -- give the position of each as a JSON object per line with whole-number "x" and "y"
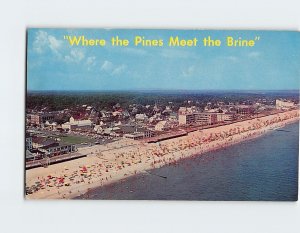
{"x": 187, "y": 117}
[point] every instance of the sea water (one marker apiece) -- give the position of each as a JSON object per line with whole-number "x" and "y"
{"x": 264, "y": 168}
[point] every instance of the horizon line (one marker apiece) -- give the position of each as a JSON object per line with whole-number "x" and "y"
{"x": 93, "y": 90}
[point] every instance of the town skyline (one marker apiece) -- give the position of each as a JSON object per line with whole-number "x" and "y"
{"x": 100, "y": 137}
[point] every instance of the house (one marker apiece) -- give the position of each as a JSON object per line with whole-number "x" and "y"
{"x": 51, "y": 126}
{"x": 141, "y": 117}
{"x": 126, "y": 113}
{"x": 105, "y": 114}
{"x": 156, "y": 109}
{"x": 117, "y": 113}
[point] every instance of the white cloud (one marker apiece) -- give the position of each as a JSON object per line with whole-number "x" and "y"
{"x": 90, "y": 62}
{"x": 112, "y": 69}
{"x": 118, "y": 70}
{"x": 232, "y": 58}
{"x": 54, "y": 44}
{"x": 107, "y": 66}
{"x": 76, "y": 55}
{"x": 44, "y": 41}
{"x": 254, "y": 54}
{"x": 40, "y": 42}
{"x": 189, "y": 71}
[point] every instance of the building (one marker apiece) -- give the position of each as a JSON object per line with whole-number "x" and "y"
{"x": 58, "y": 148}
{"x": 226, "y": 117}
{"x": 51, "y": 126}
{"x": 29, "y": 155}
{"x": 284, "y": 104}
{"x": 51, "y": 147}
{"x": 134, "y": 136}
{"x": 28, "y": 142}
{"x": 79, "y": 125}
{"x": 244, "y": 110}
{"x": 98, "y": 129}
{"x": 161, "y": 126}
{"x": 141, "y": 117}
{"x": 206, "y": 118}
{"x": 40, "y": 118}
{"x": 134, "y": 132}
{"x": 38, "y": 142}
{"x": 173, "y": 116}
{"x": 187, "y": 117}
{"x": 112, "y": 131}
{"x": 202, "y": 118}
{"x": 105, "y": 115}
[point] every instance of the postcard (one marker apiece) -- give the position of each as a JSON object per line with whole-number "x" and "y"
{"x": 157, "y": 114}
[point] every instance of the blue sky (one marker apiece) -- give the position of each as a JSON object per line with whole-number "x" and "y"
{"x": 52, "y": 64}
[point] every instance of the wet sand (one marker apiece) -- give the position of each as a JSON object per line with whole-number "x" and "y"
{"x": 117, "y": 160}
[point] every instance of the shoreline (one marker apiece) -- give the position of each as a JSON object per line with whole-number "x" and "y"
{"x": 118, "y": 163}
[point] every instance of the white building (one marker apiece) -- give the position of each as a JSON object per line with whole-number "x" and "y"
{"x": 134, "y": 136}
{"x": 74, "y": 125}
{"x": 141, "y": 117}
{"x": 186, "y": 117}
{"x": 284, "y": 104}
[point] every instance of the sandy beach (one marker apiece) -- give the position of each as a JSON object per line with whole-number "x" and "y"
{"x": 120, "y": 159}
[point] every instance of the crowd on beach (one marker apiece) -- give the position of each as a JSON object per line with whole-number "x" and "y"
{"x": 105, "y": 166}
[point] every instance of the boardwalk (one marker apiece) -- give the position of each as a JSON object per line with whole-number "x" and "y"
{"x": 56, "y": 159}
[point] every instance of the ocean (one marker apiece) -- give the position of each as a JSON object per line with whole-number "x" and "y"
{"x": 260, "y": 169}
